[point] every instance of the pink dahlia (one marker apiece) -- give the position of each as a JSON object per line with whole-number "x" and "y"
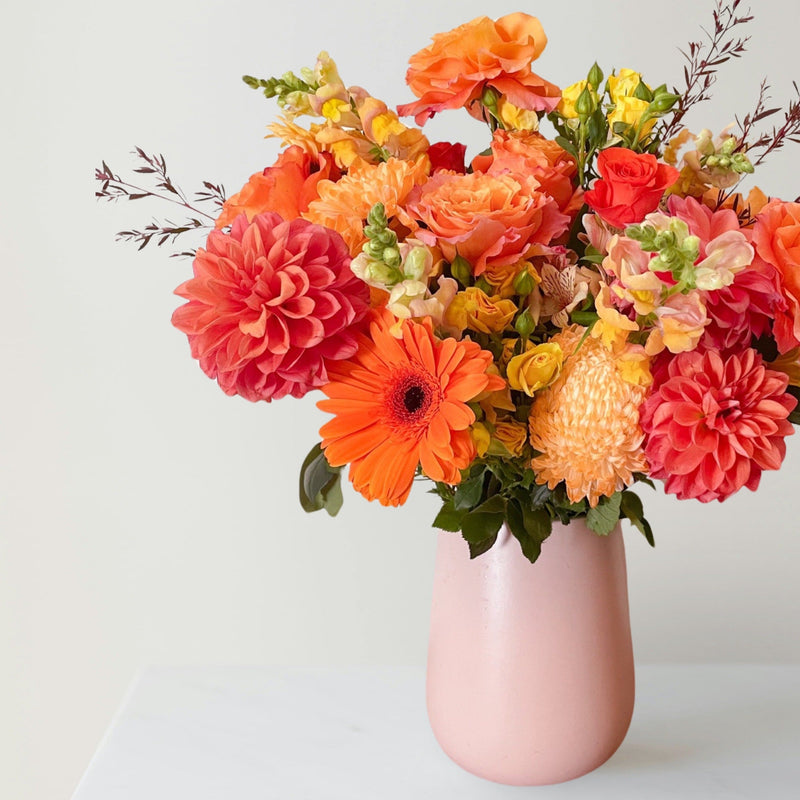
{"x": 713, "y": 423}
{"x": 270, "y": 305}
{"x": 743, "y": 310}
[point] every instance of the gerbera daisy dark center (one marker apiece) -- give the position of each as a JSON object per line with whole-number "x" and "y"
{"x": 414, "y": 398}
{"x": 410, "y": 398}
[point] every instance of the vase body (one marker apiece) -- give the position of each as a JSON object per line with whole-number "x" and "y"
{"x": 530, "y": 666}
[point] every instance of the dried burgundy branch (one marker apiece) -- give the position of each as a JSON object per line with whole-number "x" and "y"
{"x": 114, "y": 187}
{"x": 777, "y": 137}
{"x": 705, "y": 58}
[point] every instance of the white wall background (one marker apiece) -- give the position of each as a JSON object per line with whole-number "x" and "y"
{"x": 144, "y": 516}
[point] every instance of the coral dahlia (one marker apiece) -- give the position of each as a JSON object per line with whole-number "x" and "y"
{"x": 271, "y": 306}
{"x": 586, "y": 424}
{"x": 715, "y": 422}
{"x": 402, "y": 403}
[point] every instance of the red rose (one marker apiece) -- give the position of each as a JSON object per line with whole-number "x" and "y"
{"x": 630, "y": 186}
{"x": 444, "y": 155}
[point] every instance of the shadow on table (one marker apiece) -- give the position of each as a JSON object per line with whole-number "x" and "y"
{"x": 728, "y": 729}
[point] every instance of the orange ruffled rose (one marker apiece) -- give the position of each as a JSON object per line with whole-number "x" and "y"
{"x": 776, "y": 237}
{"x": 455, "y": 69}
{"x": 286, "y": 188}
{"x": 486, "y": 219}
{"x": 523, "y": 152}
{"x": 586, "y": 424}
{"x": 402, "y": 403}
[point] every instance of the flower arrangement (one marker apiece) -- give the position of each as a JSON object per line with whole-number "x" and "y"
{"x": 534, "y": 331}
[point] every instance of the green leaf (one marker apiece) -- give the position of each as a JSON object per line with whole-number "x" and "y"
{"x": 530, "y": 527}
{"x": 468, "y": 493}
{"x": 479, "y": 549}
{"x": 640, "y": 477}
{"x": 320, "y": 483}
{"x": 631, "y": 508}
{"x": 603, "y": 518}
{"x": 332, "y": 495}
{"x": 448, "y": 519}
{"x": 566, "y": 144}
{"x": 485, "y": 521}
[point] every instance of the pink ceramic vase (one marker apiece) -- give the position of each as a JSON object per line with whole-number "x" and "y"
{"x": 530, "y": 666}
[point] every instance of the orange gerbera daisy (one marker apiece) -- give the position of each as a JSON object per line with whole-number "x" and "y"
{"x": 402, "y": 402}
{"x": 586, "y": 424}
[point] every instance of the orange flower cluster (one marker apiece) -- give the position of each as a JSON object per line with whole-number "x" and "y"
{"x": 571, "y": 312}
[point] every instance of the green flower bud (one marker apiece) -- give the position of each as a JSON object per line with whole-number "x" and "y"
{"x": 585, "y": 104}
{"x": 524, "y": 324}
{"x": 595, "y": 76}
{"x": 391, "y": 257}
{"x": 741, "y": 163}
{"x": 377, "y": 216}
{"x": 524, "y": 283}
{"x": 728, "y": 146}
{"x": 662, "y": 103}
{"x": 489, "y": 98}
{"x": 461, "y": 270}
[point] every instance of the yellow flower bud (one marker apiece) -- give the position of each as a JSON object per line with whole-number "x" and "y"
{"x": 512, "y": 435}
{"x": 536, "y": 368}
{"x": 474, "y": 309}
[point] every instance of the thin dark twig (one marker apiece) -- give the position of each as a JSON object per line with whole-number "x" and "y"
{"x": 705, "y": 58}
{"x": 114, "y": 187}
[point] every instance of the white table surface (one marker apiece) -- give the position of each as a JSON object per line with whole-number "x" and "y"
{"x": 250, "y": 733}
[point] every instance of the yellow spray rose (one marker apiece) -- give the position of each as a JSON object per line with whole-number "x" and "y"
{"x": 536, "y": 368}
{"x": 623, "y": 84}
{"x": 516, "y": 119}
{"x": 474, "y": 309}
{"x": 512, "y": 435}
{"x": 569, "y": 97}
{"x": 629, "y": 110}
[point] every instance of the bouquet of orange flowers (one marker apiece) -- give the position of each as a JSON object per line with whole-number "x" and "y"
{"x": 534, "y": 331}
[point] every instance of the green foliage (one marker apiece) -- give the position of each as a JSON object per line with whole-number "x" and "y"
{"x": 603, "y": 518}
{"x": 631, "y": 509}
{"x": 320, "y": 483}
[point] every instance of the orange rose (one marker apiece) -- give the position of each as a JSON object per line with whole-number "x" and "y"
{"x": 285, "y": 188}
{"x": 523, "y": 152}
{"x": 455, "y": 69}
{"x": 776, "y": 237}
{"x": 630, "y": 186}
{"x": 486, "y": 219}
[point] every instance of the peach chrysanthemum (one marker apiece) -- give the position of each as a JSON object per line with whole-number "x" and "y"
{"x": 343, "y": 206}
{"x": 586, "y": 424}
{"x": 402, "y": 403}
